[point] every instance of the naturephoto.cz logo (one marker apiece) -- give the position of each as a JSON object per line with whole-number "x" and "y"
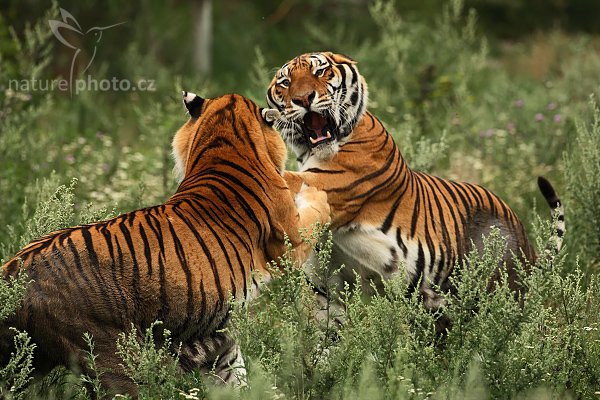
{"x": 85, "y": 44}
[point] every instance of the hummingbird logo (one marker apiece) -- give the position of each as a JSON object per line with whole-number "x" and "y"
{"x": 88, "y": 39}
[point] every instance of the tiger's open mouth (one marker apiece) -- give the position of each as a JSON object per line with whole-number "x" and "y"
{"x": 317, "y": 129}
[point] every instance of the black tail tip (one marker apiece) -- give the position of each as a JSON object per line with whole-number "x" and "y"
{"x": 548, "y": 191}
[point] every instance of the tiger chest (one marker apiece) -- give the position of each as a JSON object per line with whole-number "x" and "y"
{"x": 376, "y": 255}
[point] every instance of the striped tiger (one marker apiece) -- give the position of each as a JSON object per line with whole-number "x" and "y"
{"x": 383, "y": 212}
{"x": 178, "y": 262}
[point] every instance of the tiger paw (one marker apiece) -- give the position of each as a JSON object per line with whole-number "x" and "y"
{"x": 315, "y": 200}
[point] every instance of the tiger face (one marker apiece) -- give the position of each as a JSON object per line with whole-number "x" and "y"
{"x": 321, "y": 97}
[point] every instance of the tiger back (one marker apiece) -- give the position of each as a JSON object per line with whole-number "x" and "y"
{"x": 383, "y": 212}
{"x": 178, "y": 262}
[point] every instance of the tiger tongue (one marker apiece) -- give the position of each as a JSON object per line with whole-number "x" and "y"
{"x": 315, "y": 122}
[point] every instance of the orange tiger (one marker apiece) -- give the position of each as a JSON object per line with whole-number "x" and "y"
{"x": 178, "y": 262}
{"x": 382, "y": 211}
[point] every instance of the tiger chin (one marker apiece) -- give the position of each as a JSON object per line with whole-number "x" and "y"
{"x": 384, "y": 213}
{"x": 178, "y": 262}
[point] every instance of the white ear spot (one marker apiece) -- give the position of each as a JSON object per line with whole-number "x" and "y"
{"x": 188, "y": 97}
{"x": 193, "y": 103}
{"x": 270, "y": 114}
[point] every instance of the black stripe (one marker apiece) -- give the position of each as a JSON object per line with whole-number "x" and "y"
{"x": 217, "y": 143}
{"x": 147, "y": 251}
{"x": 370, "y": 177}
{"x": 387, "y": 222}
{"x": 156, "y": 228}
{"x": 417, "y": 207}
{"x": 235, "y": 216}
{"x": 246, "y": 206}
{"x": 401, "y": 242}
{"x": 458, "y": 229}
{"x": 326, "y": 171}
{"x": 464, "y": 196}
{"x": 116, "y": 283}
{"x": 232, "y": 233}
{"x": 95, "y": 267}
{"x": 490, "y": 201}
{"x": 135, "y": 283}
{"x": 429, "y": 241}
{"x": 181, "y": 257}
{"x": 216, "y": 235}
{"x": 475, "y": 194}
{"x": 418, "y": 269}
{"x": 354, "y": 74}
{"x": 77, "y": 261}
{"x": 82, "y": 291}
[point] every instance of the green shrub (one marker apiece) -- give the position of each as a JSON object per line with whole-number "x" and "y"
{"x": 583, "y": 191}
{"x": 154, "y": 368}
{"x": 17, "y": 373}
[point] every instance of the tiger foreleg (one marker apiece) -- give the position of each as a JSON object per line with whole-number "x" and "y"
{"x": 313, "y": 213}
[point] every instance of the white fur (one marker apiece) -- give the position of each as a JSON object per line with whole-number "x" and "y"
{"x": 189, "y": 97}
{"x": 300, "y": 201}
{"x": 367, "y": 245}
{"x": 366, "y": 250}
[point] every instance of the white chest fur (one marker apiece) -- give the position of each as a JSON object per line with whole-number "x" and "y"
{"x": 374, "y": 255}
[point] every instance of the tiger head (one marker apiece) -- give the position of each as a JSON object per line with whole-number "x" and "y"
{"x": 232, "y": 120}
{"x": 321, "y": 97}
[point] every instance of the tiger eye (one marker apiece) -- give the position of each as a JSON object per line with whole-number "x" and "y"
{"x": 321, "y": 72}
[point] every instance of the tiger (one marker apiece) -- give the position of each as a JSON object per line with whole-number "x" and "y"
{"x": 383, "y": 213}
{"x": 180, "y": 262}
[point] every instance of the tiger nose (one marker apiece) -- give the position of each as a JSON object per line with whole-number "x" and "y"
{"x": 304, "y": 100}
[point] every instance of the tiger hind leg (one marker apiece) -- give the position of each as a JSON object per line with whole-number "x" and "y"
{"x": 217, "y": 356}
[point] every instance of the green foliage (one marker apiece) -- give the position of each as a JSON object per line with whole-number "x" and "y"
{"x": 545, "y": 344}
{"x": 422, "y": 81}
{"x": 17, "y": 373}
{"x": 296, "y": 347}
{"x": 11, "y": 293}
{"x": 93, "y": 382}
{"x": 153, "y": 368}
{"x": 583, "y": 180}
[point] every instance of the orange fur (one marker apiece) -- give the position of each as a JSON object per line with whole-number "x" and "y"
{"x": 178, "y": 262}
{"x": 382, "y": 211}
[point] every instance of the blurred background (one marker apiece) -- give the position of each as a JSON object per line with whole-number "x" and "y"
{"x": 488, "y": 91}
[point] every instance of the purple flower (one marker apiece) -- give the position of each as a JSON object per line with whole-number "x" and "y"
{"x": 511, "y": 127}
{"x": 552, "y": 106}
{"x": 539, "y": 117}
{"x": 519, "y": 103}
{"x": 104, "y": 167}
{"x": 70, "y": 158}
{"x": 487, "y": 133}
{"x": 557, "y": 118}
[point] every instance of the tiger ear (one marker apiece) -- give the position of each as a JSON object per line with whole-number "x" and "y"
{"x": 341, "y": 58}
{"x": 193, "y": 103}
{"x": 270, "y": 115}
